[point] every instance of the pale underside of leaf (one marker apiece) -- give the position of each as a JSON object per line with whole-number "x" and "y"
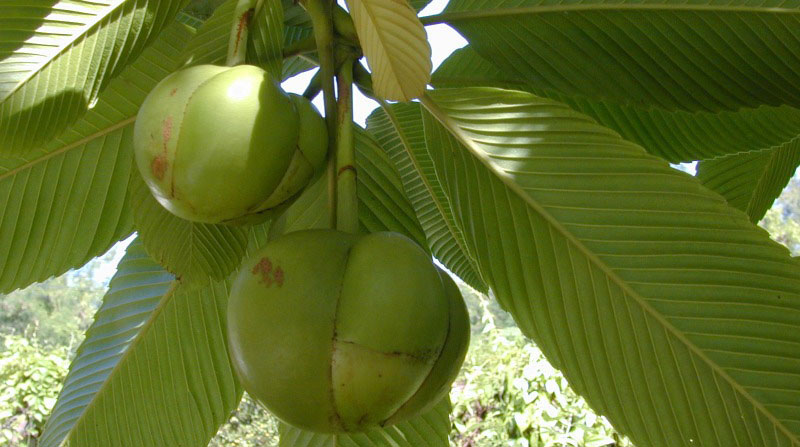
{"x": 395, "y": 45}
{"x": 430, "y": 429}
{"x": 708, "y": 55}
{"x": 753, "y": 180}
{"x": 69, "y": 200}
{"x": 666, "y": 308}
{"x": 398, "y": 129}
{"x": 676, "y": 136}
{"x": 153, "y": 369}
{"x": 56, "y": 59}
{"x": 192, "y": 251}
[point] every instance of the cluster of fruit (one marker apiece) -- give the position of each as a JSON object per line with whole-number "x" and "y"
{"x": 332, "y": 332}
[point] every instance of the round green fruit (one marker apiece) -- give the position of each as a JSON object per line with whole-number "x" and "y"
{"x": 220, "y": 144}
{"x": 335, "y": 332}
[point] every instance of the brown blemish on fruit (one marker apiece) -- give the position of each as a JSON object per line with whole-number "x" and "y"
{"x": 268, "y": 275}
{"x": 172, "y": 93}
{"x": 159, "y": 166}
{"x": 166, "y": 130}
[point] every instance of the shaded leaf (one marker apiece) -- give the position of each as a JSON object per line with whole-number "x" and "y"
{"x": 395, "y": 45}
{"x": 56, "y": 58}
{"x": 665, "y": 307}
{"x": 708, "y": 55}
{"x": 68, "y": 201}
{"x": 398, "y": 129}
{"x": 753, "y": 180}
{"x": 382, "y": 204}
{"x": 676, "y": 136}
{"x": 265, "y": 43}
{"x": 210, "y": 45}
{"x": 153, "y": 369}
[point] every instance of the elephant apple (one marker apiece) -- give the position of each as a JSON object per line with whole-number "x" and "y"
{"x": 218, "y": 144}
{"x": 335, "y": 332}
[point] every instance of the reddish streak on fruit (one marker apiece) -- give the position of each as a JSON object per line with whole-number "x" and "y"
{"x": 243, "y": 20}
{"x": 166, "y": 130}
{"x": 159, "y": 166}
{"x": 268, "y": 275}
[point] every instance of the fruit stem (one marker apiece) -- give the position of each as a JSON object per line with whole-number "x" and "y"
{"x": 320, "y": 12}
{"x": 237, "y": 42}
{"x": 347, "y": 206}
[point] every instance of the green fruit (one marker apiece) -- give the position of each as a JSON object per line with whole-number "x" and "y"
{"x": 219, "y": 144}
{"x": 337, "y": 332}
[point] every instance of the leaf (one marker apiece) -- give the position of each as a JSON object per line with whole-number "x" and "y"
{"x": 68, "y": 201}
{"x": 191, "y": 251}
{"x": 309, "y": 211}
{"x": 382, "y": 204}
{"x": 430, "y": 429}
{"x": 265, "y": 45}
{"x": 153, "y": 369}
{"x": 57, "y": 56}
{"x": 210, "y": 45}
{"x": 710, "y": 55}
{"x": 398, "y": 129}
{"x": 395, "y": 45}
{"x": 676, "y": 136}
{"x": 752, "y": 181}
{"x": 665, "y": 307}
{"x": 297, "y": 64}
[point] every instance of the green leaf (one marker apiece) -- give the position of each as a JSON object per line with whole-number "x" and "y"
{"x": 753, "y": 180}
{"x": 191, "y": 251}
{"x": 707, "y": 55}
{"x": 430, "y": 429}
{"x": 153, "y": 369}
{"x": 68, "y": 201}
{"x": 210, "y": 45}
{"x": 665, "y": 307}
{"x": 382, "y": 204}
{"x": 676, "y": 136}
{"x": 56, "y": 58}
{"x": 398, "y": 129}
{"x": 309, "y": 211}
{"x": 265, "y": 43}
{"x": 297, "y": 64}
{"x": 395, "y": 45}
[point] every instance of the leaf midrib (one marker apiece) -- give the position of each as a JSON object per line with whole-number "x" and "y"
{"x": 455, "y": 130}
{"x": 139, "y": 337}
{"x": 78, "y": 143}
{"x": 428, "y": 187}
{"x": 79, "y": 34}
{"x": 462, "y": 16}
